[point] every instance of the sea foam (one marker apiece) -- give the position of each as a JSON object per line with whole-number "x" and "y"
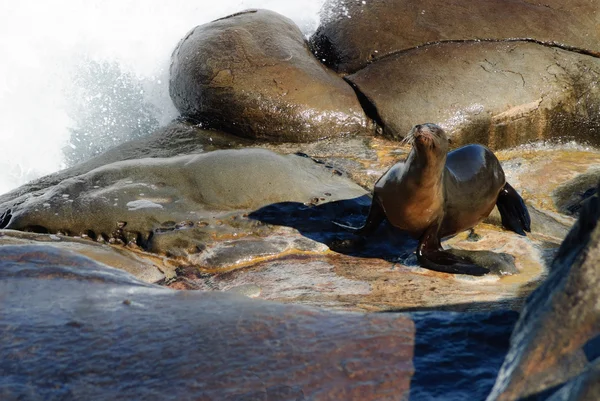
{"x": 78, "y": 77}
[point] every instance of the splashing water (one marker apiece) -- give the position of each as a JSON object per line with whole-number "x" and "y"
{"x": 79, "y": 77}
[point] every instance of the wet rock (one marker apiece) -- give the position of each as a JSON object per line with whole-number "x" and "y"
{"x": 584, "y": 387}
{"x": 351, "y": 155}
{"x": 561, "y": 320}
{"x": 384, "y": 275}
{"x": 235, "y": 253}
{"x": 290, "y": 249}
{"x": 249, "y": 290}
{"x": 176, "y": 138}
{"x": 571, "y": 195}
{"x": 180, "y": 137}
{"x": 550, "y": 178}
{"x": 253, "y": 75}
{"x": 315, "y": 282}
{"x": 191, "y": 199}
{"x": 498, "y": 94}
{"x": 73, "y": 328}
{"x": 354, "y": 33}
{"x": 145, "y": 267}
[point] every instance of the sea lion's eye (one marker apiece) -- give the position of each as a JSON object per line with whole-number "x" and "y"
{"x": 449, "y": 141}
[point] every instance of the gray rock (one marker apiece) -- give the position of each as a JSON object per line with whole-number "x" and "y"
{"x": 176, "y": 138}
{"x": 585, "y": 387}
{"x": 75, "y": 329}
{"x": 354, "y": 33}
{"x": 253, "y": 75}
{"x": 560, "y": 320}
{"x": 199, "y": 197}
{"x": 497, "y": 94}
{"x": 571, "y": 195}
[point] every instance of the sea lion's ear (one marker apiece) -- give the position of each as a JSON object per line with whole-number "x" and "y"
{"x": 449, "y": 141}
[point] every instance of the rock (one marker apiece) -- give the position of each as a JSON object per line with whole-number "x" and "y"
{"x": 560, "y": 319}
{"x": 176, "y": 138}
{"x": 353, "y": 33}
{"x": 144, "y": 266}
{"x": 75, "y": 329}
{"x": 195, "y": 198}
{"x": 253, "y": 75}
{"x": 383, "y": 274}
{"x": 551, "y": 179}
{"x": 287, "y": 246}
{"x": 584, "y": 387}
{"x": 571, "y": 195}
{"x": 498, "y": 94}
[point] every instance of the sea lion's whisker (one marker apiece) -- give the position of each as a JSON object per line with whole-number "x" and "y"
{"x": 409, "y": 138}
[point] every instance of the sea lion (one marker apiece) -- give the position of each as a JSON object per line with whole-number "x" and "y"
{"x": 435, "y": 194}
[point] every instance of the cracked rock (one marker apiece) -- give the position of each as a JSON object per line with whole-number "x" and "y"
{"x": 355, "y": 34}
{"x": 500, "y": 94}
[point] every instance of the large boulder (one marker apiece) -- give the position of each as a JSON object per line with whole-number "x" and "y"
{"x": 496, "y": 93}
{"x": 558, "y": 332}
{"x": 355, "y": 33}
{"x": 585, "y": 387}
{"x": 253, "y": 75}
{"x": 130, "y": 201}
{"x": 75, "y": 329}
{"x": 179, "y": 137}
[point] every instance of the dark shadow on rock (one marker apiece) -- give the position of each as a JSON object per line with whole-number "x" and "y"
{"x": 592, "y": 348}
{"x": 315, "y": 221}
{"x": 477, "y": 307}
{"x": 458, "y": 355}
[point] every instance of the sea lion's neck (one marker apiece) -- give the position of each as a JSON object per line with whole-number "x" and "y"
{"x": 428, "y": 165}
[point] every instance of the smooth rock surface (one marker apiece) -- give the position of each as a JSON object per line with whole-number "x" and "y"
{"x": 131, "y": 201}
{"x": 561, "y": 319}
{"x": 497, "y": 94}
{"x": 252, "y": 74}
{"x": 146, "y": 267}
{"x": 74, "y": 329}
{"x": 177, "y": 138}
{"x": 584, "y": 387}
{"x": 354, "y": 33}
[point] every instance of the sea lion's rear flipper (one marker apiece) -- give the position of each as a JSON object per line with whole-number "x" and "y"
{"x": 374, "y": 219}
{"x": 513, "y": 211}
{"x": 431, "y": 255}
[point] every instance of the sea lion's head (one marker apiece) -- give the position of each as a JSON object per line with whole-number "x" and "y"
{"x": 428, "y": 138}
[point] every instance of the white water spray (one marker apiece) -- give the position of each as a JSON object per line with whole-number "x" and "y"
{"x": 96, "y": 69}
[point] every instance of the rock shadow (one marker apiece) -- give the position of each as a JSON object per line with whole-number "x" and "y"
{"x": 315, "y": 221}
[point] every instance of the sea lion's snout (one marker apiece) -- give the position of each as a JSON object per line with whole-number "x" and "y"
{"x": 425, "y": 135}
{"x": 429, "y": 136}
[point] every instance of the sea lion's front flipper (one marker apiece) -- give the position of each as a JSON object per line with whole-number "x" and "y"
{"x": 498, "y": 263}
{"x": 513, "y": 211}
{"x": 374, "y": 219}
{"x": 432, "y": 256}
